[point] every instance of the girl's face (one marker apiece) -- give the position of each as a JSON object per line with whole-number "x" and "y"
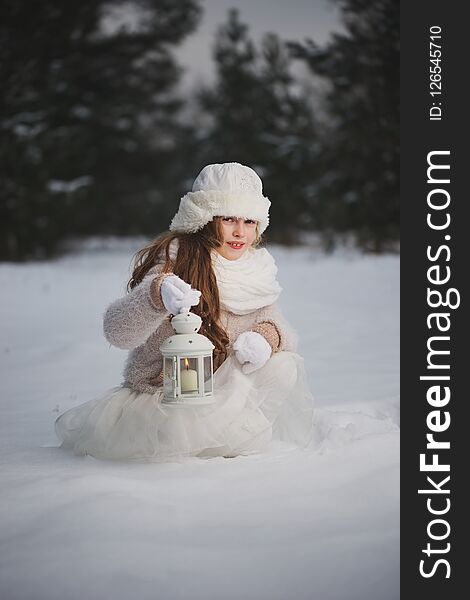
{"x": 239, "y": 234}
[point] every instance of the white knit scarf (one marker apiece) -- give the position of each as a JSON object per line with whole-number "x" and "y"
{"x": 248, "y": 283}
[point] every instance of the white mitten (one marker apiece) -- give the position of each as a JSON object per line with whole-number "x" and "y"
{"x": 251, "y": 348}
{"x": 178, "y": 295}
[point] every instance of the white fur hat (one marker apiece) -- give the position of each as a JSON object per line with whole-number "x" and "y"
{"x": 222, "y": 190}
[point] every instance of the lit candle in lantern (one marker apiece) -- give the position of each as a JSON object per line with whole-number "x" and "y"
{"x": 188, "y": 378}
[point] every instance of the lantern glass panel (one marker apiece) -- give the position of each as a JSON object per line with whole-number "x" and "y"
{"x": 207, "y": 374}
{"x": 168, "y": 382}
{"x": 188, "y": 375}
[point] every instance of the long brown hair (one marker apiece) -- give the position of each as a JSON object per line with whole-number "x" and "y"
{"x": 194, "y": 265}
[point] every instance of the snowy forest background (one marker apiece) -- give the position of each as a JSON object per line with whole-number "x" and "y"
{"x": 99, "y": 138}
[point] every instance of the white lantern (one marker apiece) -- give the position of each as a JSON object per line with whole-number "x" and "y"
{"x": 187, "y": 363}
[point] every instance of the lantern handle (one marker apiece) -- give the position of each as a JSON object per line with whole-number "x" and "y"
{"x": 186, "y": 321}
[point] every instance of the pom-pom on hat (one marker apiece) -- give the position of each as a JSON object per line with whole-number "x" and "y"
{"x": 222, "y": 190}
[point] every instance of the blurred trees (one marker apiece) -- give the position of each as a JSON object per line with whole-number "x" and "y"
{"x": 88, "y": 118}
{"x": 358, "y": 189}
{"x": 257, "y": 115}
{"x": 94, "y": 138}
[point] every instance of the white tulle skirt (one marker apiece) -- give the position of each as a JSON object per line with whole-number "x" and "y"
{"x": 273, "y": 403}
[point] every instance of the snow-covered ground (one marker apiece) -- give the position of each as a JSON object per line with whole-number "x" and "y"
{"x": 319, "y": 524}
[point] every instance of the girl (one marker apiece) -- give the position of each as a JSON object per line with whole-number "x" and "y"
{"x": 207, "y": 261}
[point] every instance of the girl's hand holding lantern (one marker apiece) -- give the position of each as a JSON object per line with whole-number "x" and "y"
{"x": 252, "y": 351}
{"x": 177, "y": 295}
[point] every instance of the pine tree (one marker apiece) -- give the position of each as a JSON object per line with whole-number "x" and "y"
{"x": 359, "y": 188}
{"x": 288, "y": 132}
{"x": 89, "y": 118}
{"x": 232, "y": 103}
{"x": 258, "y": 116}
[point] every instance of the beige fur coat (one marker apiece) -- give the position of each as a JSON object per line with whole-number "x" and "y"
{"x": 140, "y": 323}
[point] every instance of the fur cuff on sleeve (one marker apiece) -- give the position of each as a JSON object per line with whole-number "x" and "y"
{"x": 155, "y": 295}
{"x": 270, "y": 333}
